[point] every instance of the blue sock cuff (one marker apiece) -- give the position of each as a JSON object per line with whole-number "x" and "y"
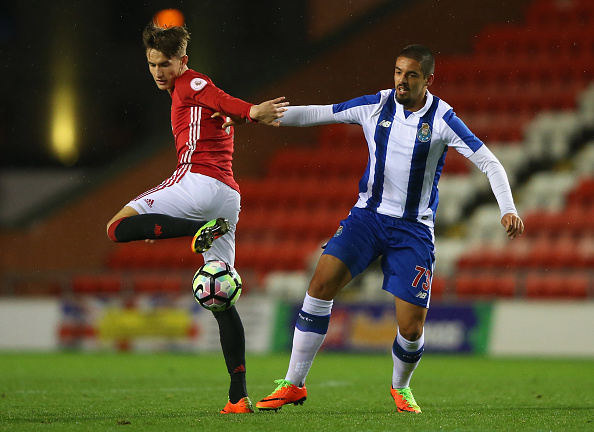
{"x": 312, "y": 323}
{"x": 406, "y": 356}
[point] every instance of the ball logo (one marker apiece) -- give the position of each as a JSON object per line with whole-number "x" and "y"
{"x": 197, "y": 84}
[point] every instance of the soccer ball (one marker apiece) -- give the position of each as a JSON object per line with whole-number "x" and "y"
{"x": 216, "y": 286}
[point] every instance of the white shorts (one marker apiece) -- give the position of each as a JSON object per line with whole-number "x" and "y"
{"x": 197, "y": 197}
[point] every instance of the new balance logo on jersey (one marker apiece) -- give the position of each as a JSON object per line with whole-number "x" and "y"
{"x": 385, "y": 123}
{"x": 422, "y": 295}
{"x": 149, "y": 202}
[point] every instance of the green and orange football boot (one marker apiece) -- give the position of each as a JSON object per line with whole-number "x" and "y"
{"x": 244, "y": 406}
{"x": 208, "y": 233}
{"x": 405, "y": 401}
{"x": 285, "y": 393}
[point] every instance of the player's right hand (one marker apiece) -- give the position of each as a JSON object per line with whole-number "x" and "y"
{"x": 513, "y": 225}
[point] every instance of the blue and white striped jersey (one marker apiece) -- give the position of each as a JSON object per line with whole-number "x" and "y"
{"x": 407, "y": 152}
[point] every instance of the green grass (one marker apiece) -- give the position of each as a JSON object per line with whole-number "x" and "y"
{"x": 178, "y": 392}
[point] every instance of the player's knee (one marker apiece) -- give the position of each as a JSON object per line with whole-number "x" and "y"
{"x": 111, "y": 226}
{"x": 325, "y": 289}
{"x": 411, "y": 332}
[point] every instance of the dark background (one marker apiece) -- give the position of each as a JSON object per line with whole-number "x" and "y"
{"x": 118, "y": 107}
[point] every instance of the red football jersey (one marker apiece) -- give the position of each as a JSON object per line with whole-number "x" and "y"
{"x": 202, "y": 145}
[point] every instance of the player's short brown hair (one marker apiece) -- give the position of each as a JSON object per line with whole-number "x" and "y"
{"x": 422, "y": 55}
{"x": 171, "y": 41}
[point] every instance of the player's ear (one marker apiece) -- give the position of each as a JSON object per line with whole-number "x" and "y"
{"x": 184, "y": 60}
{"x": 430, "y": 80}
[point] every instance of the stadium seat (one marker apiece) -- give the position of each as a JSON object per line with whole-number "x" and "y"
{"x": 583, "y": 193}
{"x": 159, "y": 284}
{"x": 438, "y": 287}
{"x": 455, "y": 163}
{"x": 100, "y": 284}
{"x": 485, "y": 284}
{"x": 556, "y": 285}
{"x": 341, "y": 136}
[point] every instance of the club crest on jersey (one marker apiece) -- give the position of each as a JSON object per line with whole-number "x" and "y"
{"x": 424, "y": 133}
{"x": 338, "y": 231}
{"x": 197, "y": 84}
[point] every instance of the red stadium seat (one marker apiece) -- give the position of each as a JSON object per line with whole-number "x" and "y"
{"x": 159, "y": 284}
{"x": 438, "y": 287}
{"x": 97, "y": 284}
{"x": 556, "y": 285}
{"x": 341, "y": 137}
{"x": 456, "y": 164}
{"x": 583, "y": 193}
{"x": 485, "y": 284}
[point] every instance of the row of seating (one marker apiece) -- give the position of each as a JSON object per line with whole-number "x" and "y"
{"x": 512, "y": 98}
{"x": 560, "y": 16}
{"x": 305, "y": 192}
{"x": 320, "y": 163}
{"x": 298, "y": 223}
{"x": 523, "y": 42}
{"x": 163, "y": 254}
{"x": 116, "y": 283}
{"x": 467, "y": 284}
{"x": 576, "y": 221}
{"x": 554, "y": 284}
{"x": 536, "y": 72}
{"x": 543, "y": 254}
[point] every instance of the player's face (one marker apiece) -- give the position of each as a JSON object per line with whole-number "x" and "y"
{"x": 165, "y": 70}
{"x": 410, "y": 83}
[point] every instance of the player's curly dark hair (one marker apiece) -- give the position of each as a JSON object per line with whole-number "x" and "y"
{"x": 421, "y": 54}
{"x": 171, "y": 41}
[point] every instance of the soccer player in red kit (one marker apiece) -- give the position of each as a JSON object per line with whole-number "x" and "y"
{"x": 201, "y": 198}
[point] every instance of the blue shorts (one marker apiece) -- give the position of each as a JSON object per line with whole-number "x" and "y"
{"x": 407, "y": 250}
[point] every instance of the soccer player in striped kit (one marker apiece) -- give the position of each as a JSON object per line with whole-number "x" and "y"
{"x": 408, "y": 131}
{"x": 201, "y": 198}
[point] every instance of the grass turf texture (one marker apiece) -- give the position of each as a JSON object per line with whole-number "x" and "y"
{"x": 178, "y": 392}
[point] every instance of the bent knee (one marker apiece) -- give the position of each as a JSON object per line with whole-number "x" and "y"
{"x": 411, "y": 332}
{"x": 111, "y": 227}
{"x": 323, "y": 289}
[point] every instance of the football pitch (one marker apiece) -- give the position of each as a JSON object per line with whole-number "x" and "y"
{"x": 179, "y": 392}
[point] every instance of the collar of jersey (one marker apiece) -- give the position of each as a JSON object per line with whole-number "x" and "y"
{"x": 419, "y": 113}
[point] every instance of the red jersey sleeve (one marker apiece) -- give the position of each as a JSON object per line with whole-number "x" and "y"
{"x": 198, "y": 89}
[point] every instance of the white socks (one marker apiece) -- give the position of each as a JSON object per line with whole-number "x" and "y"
{"x": 406, "y": 356}
{"x": 310, "y": 331}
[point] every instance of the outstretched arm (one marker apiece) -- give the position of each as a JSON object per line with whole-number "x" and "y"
{"x": 490, "y": 165}
{"x": 309, "y": 115}
{"x": 268, "y": 112}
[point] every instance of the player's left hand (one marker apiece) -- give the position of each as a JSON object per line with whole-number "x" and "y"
{"x": 230, "y": 120}
{"x": 514, "y": 226}
{"x": 269, "y": 112}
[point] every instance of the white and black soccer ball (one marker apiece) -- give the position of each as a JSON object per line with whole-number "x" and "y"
{"x": 216, "y": 286}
